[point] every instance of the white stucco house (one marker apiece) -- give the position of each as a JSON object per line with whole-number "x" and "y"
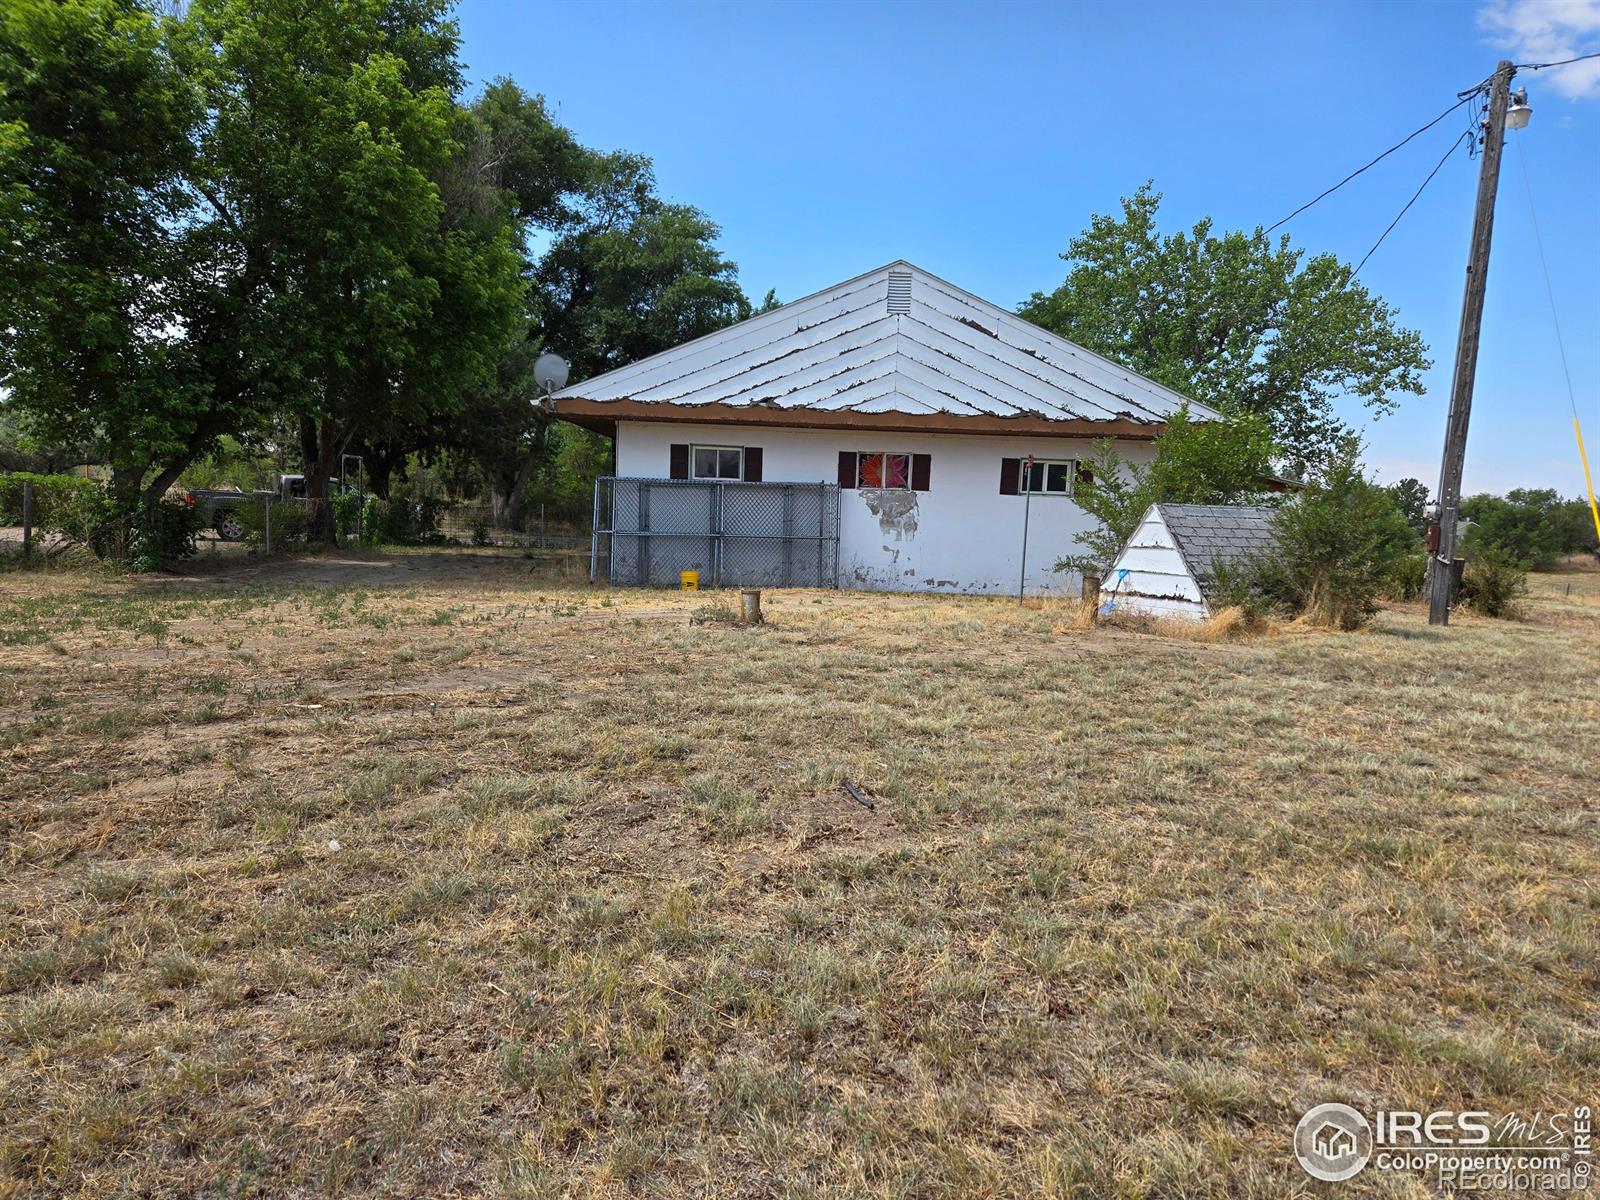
{"x": 873, "y": 435}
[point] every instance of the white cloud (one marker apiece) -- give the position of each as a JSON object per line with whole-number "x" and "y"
{"x": 1549, "y": 31}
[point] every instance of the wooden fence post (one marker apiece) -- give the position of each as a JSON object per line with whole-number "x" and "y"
{"x": 1091, "y": 598}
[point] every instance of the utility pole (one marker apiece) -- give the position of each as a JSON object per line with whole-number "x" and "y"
{"x": 1441, "y": 577}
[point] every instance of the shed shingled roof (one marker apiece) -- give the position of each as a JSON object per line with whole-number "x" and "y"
{"x": 1226, "y": 533}
{"x": 895, "y": 340}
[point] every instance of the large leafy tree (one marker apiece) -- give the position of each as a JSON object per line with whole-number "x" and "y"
{"x": 615, "y": 274}
{"x": 332, "y": 145}
{"x": 1233, "y": 319}
{"x": 241, "y": 214}
{"x": 100, "y": 270}
{"x": 1195, "y": 462}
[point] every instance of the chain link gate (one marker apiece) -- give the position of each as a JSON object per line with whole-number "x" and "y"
{"x": 647, "y": 531}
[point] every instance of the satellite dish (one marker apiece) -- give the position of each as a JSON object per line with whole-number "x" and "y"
{"x": 550, "y": 372}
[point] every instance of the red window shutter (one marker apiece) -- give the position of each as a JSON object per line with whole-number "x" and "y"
{"x": 678, "y": 461}
{"x": 1085, "y": 475}
{"x": 847, "y": 468}
{"x": 921, "y": 464}
{"x": 1010, "y": 476}
{"x": 752, "y": 464}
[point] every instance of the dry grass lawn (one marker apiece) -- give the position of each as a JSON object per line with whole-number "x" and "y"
{"x": 601, "y": 920}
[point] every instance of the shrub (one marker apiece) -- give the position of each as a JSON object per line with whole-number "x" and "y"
{"x": 144, "y": 536}
{"x": 347, "y": 510}
{"x": 402, "y": 522}
{"x": 1493, "y": 583}
{"x": 1341, "y": 544}
{"x": 51, "y": 493}
{"x": 1409, "y": 576}
{"x": 160, "y": 534}
{"x": 1242, "y": 585}
{"x": 372, "y": 521}
{"x": 290, "y": 523}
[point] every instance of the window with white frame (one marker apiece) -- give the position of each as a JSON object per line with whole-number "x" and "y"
{"x": 1049, "y": 476}
{"x": 883, "y": 470}
{"x": 716, "y": 462}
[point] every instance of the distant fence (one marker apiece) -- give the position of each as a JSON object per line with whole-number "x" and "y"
{"x": 648, "y": 531}
{"x": 474, "y": 525}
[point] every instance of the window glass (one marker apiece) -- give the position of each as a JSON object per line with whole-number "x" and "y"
{"x": 1049, "y": 478}
{"x": 883, "y": 470}
{"x": 718, "y": 462}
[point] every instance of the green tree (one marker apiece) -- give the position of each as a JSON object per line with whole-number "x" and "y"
{"x": 103, "y": 346}
{"x": 1411, "y": 497}
{"x": 614, "y": 274}
{"x": 1233, "y": 319}
{"x": 331, "y": 138}
{"x": 1528, "y": 526}
{"x": 240, "y": 214}
{"x": 1196, "y": 462}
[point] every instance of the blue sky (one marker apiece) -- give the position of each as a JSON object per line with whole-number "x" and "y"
{"x": 975, "y": 140}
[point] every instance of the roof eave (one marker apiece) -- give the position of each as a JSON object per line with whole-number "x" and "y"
{"x": 604, "y": 414}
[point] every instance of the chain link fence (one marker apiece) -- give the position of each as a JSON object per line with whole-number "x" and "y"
{"x": 648, "y": 531}
{"x": 475, "y": 525}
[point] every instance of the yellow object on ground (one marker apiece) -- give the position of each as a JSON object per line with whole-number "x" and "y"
{"x": 689, "y": 580}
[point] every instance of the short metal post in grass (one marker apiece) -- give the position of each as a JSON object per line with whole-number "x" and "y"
{"x": 1027, "y": 503}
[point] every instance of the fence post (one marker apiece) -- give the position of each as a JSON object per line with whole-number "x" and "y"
{"x": 266, "y": 522}
{"x": 715, "y": 518}
{"x": 788, "y": 535}
{"x": 594, "y": 536}
{"x": 27, "y": 518}
{"x": 644, "y": 533}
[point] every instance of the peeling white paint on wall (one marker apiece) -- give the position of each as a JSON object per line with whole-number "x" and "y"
{"x": 961, "y": 535}
{"x": 852, "y": 367}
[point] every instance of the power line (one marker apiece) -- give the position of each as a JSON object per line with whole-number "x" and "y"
{"x": 1538, "y": 240}
{"x": 1562, "y": 63}
{"x": 1410, "y": 202}
{"x": 1415, "y": 133}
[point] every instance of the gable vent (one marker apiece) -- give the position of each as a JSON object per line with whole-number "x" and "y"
{"x": 899, "y": 291}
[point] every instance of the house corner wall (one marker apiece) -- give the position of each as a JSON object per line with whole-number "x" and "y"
{"x": 961, "y": 535}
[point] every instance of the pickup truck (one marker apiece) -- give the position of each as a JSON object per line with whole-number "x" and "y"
{"x": 217, "y": 506}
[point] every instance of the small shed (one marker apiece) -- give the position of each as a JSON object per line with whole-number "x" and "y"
{"x": 1166, "y": 566}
